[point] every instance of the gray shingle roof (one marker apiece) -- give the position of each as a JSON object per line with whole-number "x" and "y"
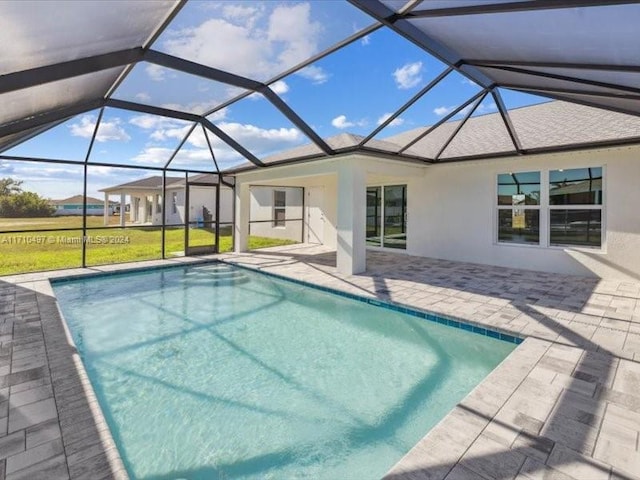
{"x": 548, "y": 124}
{"x": 152, "y": 182}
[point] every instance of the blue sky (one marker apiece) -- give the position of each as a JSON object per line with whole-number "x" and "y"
{"x": 352, "y": 90}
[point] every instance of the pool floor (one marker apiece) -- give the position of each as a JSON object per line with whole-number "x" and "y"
{"x": 213, "y": 372}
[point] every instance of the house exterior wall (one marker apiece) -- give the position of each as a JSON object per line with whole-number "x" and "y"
{"x": 455, "y": 210}
{"x": 452, "y": 209}
{"x": 77, "y": 209}
{"x": 262, "y": 213}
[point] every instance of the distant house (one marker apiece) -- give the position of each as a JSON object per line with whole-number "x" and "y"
{"x": 74, "y": 206}
{"x": 146, "y": 205}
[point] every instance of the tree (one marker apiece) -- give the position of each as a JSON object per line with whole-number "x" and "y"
{"x": 16, "y": 203}
{"x": 9, "y": 186}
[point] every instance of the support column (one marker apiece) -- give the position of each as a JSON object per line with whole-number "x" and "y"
{"x": 241, "y": 236}
{"x": 106, "y": 209}
{"x": 352, "y": 200}
{"x": 123, "y": 207}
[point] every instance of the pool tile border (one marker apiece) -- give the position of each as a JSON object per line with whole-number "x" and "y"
{"x": 432, "y": 317}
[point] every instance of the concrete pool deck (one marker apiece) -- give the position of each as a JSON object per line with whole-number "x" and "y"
{"x": 564, "y": 405}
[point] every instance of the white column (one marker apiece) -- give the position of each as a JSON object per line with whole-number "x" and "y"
{"x": 352, "y": 198}
{"x": 123, "y": 206}
{"x": 241, "y": 236}
{"x": 106, "y": 209}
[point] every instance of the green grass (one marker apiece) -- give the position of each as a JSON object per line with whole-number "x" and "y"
{"x": 56, "y": 249}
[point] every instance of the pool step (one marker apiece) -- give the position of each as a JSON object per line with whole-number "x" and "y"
{"x": 215, "y": 275}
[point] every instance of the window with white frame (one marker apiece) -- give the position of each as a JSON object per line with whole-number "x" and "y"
{"x": 518, "y": 205}
{"x": 571, "y": 200}
{"x": 575, "y": 207}
{"x": 174, "y": 202}
{"x": 279, "y": 208}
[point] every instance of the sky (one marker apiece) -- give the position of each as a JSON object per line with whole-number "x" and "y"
{"x": 352, "y": 90}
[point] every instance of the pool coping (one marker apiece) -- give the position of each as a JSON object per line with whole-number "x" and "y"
{"x": 466, "y": 429}
{"x": 473, "y": 398}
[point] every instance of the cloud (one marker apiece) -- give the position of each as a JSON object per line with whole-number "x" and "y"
{"x": 442, "y": 111}
{"x": 156, "y": 72}
{"x": 153, "y": 156}
{"x": 280, "y": 87}
{"x": 258, "y": 42}
{"x": 482, "y": 109}
{"x": 341, "y": 122}
{"x": 314, "y": 73}
{"x": 396, "y": 122}
{"x": 107, "y": 131}
{"x": 143, "y": 97}
{"x": 408, "y": 76}
{"x": 366, "y": 40}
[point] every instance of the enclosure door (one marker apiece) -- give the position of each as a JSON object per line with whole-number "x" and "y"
{"x": 315, "y": 216}
{"x": 201, "y": 207}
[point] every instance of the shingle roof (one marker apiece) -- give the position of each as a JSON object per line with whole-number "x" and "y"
{"x": 77, "y": 199}
{"x": 543, "y": 125}
{"x": 155, "y": 182}
{"x": 152, "y": 182}
{"x": 547, "y": 124}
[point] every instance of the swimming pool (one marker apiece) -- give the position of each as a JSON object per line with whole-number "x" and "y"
{"x": 216, "y": 372}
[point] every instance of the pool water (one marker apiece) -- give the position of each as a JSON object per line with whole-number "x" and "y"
{"x": 215, "y": 372}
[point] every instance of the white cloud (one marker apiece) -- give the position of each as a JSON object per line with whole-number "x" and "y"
{"x": 482, "y": 109}
{"x": 314, "y": 73}
{"x": 239, "y": 12}
{"x": 280, "y": 87}
{"x": 257, "y": 43}
{"x": 153, "y": 156}
{"x": 156, "y": 72}
{"x": 108, "y": 129}
{"x": 442, "y": 111}
{"x": 396, "y": 122}
{"x": 366, "y": 40}
{"x": 341, "y": 122}
{"x": 408, "y": 76}
{"x": 143, "y": 97}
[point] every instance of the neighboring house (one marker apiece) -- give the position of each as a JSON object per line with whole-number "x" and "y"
{"x": 74, "y": 206}
{"x": 568, "y": 207}
{"x": 145, "y": 199}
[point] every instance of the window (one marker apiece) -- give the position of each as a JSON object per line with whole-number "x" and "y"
{"x": 158, "y": 204}
{"x": 387, "y": 216}
{"x": 279, "y": 208}
{"x": 519, "y": 207}
{"x": 570, "y": 205}
{"x": 575, "y": 207}
{"x": 174, "y": 203}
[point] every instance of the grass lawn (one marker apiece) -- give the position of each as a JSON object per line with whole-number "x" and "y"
{"x": 38, "y": 251}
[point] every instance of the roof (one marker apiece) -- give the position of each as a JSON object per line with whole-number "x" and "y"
{"x": 155, "y": 182}
{"x": 582, "y": 52}
{"x": 77, "y": 199}
{"x": 152, "y": 183}
{"x": 541, "y": 126}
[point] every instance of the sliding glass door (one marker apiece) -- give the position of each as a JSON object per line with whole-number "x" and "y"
{"x": 387, "y": 216}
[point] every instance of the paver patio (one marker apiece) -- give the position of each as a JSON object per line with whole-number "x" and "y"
{"x": 565, "y": 404}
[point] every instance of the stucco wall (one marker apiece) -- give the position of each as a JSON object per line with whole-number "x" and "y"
{"x": 452, "y": 209}
{"x": 452, "y": 215}
{"x": 261, "y": 213}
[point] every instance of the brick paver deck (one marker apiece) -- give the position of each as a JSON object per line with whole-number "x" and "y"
{"x": 564, "y": 405}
